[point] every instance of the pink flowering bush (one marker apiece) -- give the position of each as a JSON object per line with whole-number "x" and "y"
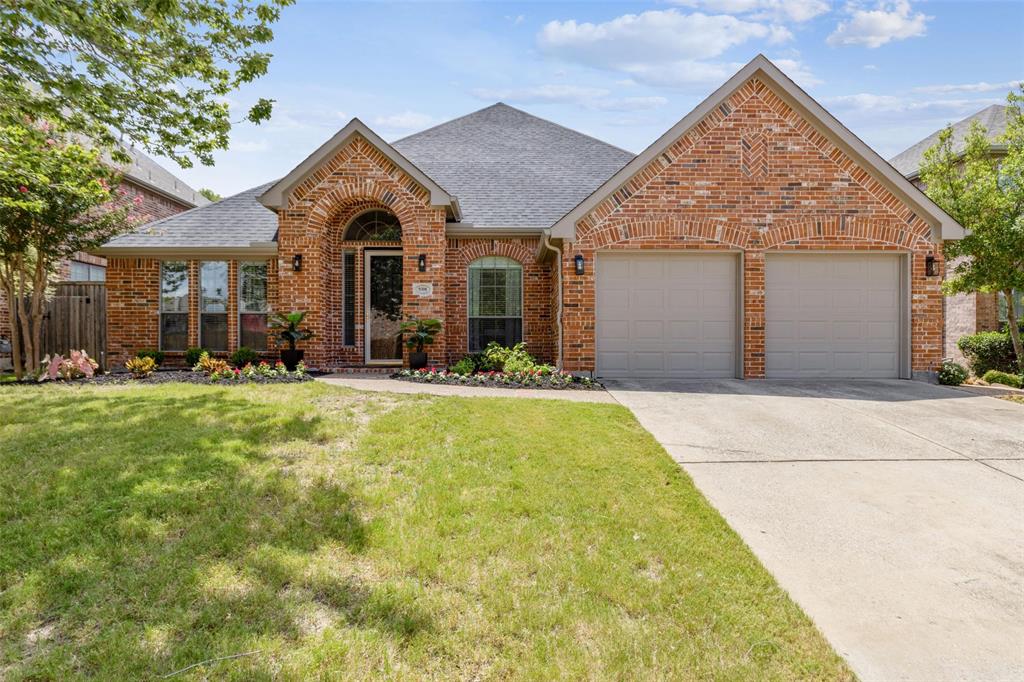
{"x": 77, "y": 365}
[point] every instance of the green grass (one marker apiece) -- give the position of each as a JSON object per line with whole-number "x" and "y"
{"x": 356, "y": 536}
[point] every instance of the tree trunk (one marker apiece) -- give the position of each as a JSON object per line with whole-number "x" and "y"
{"x": 24, "y": 318}
{"x": 1014, "y": 325}
{"x": 7, "y": 280}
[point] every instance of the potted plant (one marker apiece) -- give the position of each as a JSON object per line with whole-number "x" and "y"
{"x": 421, "y": 333}
{"x": 286, "y": 327}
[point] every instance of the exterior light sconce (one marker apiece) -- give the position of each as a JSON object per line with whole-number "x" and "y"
{"x": 930, "y": 267}
{"x": 297, "y": 262}
{"x": 421, "y": 262}
{"x": 580, "y": 265}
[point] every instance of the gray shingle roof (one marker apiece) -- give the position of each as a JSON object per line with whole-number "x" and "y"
{"x": 236, "y": 221}
{"x": 993, "y": 118}
{"x": 509, "y": 168}
{"x": 146, "y": 171}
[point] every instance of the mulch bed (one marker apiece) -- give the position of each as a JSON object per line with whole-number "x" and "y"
{"x": 560, "y": 381}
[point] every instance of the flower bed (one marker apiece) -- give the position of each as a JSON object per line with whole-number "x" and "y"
{"x": 554, "y": 380}
{"x": 262, "y": 373}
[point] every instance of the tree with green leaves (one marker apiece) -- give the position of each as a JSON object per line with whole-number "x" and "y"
{"x": 985, "y": 194}
{"x": 57, "y": 197}
{"x": 155, "y": 72}
{"x": 210, "y": 194}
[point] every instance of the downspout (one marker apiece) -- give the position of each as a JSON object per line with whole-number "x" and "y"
{"x": 558, "y": 314}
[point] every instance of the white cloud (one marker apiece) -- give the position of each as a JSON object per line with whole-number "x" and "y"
{"x": 870, "y": 67}
{"x": 775, "y": 10}
{"x": 251, "y": 146}
{"x": 874, "y": 105}
{"x": 516, "y": 20}
{"x": 541, "y": 93}
{"x": 873, "y": 28}
{"x": 656, "y": 36}
{"x": 779, "y": 34}
{"x": 590, "y": 98}
{"x": 406, "y": 120}
{"x": 683, "y": 73}
{"x": 969, "y": 87}
{"x": 798, "y": 71}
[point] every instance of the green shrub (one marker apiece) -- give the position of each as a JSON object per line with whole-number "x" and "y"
{"x": 193, "y": 354}
{"x": 157, "y": 355}
{"x": 952, "y": 373}
{"x": 244, "y": 356}
{"x": 994, "y": 376}
{"x": 514, "y": 359}
{"x": 988, "y": 350}
{"x": 465, "y": 366}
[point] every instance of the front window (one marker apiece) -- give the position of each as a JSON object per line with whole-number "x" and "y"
{"x": 374, "y": 226}
{"x": 87, "y": 272}
{"x": 213, "y": 305}
{"x": 252, "y": 305}
{"x": 173, "y": 305}
{"x": 1018, "y": 304}
{"x": 495, "y": 302}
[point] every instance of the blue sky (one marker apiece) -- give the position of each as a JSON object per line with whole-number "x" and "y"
{"x": 893, "y": 71}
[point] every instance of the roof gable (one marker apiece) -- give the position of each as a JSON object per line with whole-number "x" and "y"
{"x": 943, "y": 225}
{"x": 276, "y": 197}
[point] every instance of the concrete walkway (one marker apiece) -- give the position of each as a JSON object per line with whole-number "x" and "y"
{"x": 891, "y": 511}
{"x": 378, "y": 382}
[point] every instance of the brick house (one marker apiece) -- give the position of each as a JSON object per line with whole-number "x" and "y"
{"x": 977, "y": 312}
{"x": 161, "y": 193}
{"x": 756, "y": 238}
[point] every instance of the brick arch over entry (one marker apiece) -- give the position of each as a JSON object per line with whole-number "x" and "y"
{"x": 537, "y": 292}
{"x": 357, "y": 178}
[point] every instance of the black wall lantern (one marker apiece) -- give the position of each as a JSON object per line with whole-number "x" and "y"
{"x": 580, "y": 269}
{"x": 297, "y": 262}
{"x": 421, "y": 262}
{"x": 930, "y": 268}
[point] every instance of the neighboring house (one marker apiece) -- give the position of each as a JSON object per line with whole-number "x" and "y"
{"x": 162, "y": 195}
{"x": 757, "y": 237}
{"x": 965, "y": 313}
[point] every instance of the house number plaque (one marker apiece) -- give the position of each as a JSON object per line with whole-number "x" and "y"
{"x": 422, "y": 290}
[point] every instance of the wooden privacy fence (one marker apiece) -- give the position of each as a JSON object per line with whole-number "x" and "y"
{"x": 76, "y": 319}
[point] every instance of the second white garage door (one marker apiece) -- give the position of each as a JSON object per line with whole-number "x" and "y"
{"x": 833, "y": 315}
{"x": 666, "y": 315}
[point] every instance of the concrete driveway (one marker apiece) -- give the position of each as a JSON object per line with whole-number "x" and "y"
{"x": 892, "y": 511}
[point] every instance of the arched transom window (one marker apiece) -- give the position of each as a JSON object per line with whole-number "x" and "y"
{"x": 374, "y": 226}
{"x": 495, "y": 302}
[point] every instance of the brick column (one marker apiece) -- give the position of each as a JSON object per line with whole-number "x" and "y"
{"x": 753, "y": 315}
{"x": 425, "y": 236}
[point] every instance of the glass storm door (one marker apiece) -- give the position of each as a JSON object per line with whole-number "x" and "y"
{"x": 383, "y": 288}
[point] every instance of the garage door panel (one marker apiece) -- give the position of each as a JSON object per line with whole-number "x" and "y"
{"x": 834, "y": 315}
{"x": 680, "y": 311}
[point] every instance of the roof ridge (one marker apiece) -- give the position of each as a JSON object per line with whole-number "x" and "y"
{"x": 524, "y": 113}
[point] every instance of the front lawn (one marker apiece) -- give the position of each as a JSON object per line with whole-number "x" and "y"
{"x": 316, "y": 532}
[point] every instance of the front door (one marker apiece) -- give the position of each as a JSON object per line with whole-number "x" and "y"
{"x": 383, "y": 288}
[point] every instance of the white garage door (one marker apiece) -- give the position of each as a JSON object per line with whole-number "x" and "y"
{"x": 666, "y": 315}
{"x": 832, "y": 315}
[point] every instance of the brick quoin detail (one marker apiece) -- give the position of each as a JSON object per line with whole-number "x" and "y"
{"x": 806, "y": 195}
